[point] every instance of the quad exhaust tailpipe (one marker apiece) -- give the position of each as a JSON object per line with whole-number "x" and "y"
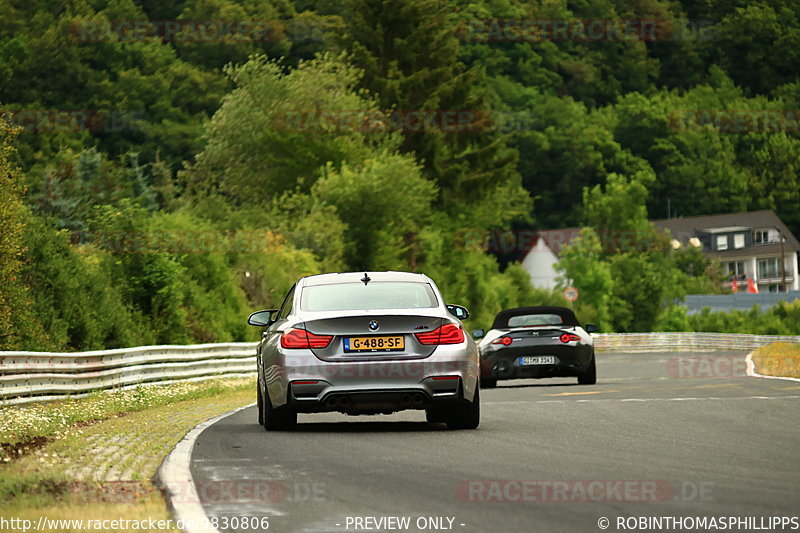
{"x": 338, "y": 402}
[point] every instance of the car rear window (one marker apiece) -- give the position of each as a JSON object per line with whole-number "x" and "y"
{"x": 375, "y": 295}
{"x": 522, "y": 321}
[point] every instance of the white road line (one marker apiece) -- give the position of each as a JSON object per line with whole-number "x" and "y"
{"x": 751, "y": 370}
{"x": 598, "y": 400}
{"x": 177, "y": 482}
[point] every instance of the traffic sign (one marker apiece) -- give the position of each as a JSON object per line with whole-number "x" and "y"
{"x": 570, "y": 294}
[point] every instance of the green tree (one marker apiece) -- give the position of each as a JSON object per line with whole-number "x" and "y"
{"x": 276, "y": 130}
{"x": 384, "y": 202}
{"x": 703, "y": 160}
{"x": 309, "y": 224}
{"x": 16, "y": 320}
{"x": 468, "y": 276}
{"x": 409, "y": 53}
{"x": 563, "y": 148}
{"x": 581, "y": 265}
{"x": 701, "y": 274}
{"x": 73, "y": 184}
{"x": 644, "y": 284}
{"x": 763, "y": 57}
{"x": 640, "y": 260}
{"x": 123, "y": 93}
{"x": 774, "y": 164}
{"x": 267, "y": 33}
{"x": 619, "y": 214}
{"x": 76, "y": 296}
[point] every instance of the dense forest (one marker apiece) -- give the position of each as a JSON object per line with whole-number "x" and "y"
{"x": 167, "y": 166}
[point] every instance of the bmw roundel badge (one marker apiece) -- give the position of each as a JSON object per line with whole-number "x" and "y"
{"x": 373, "y": 325}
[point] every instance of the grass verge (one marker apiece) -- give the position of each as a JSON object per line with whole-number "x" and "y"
{"x": 778, "y": 359}
{"x": 95, "y": 458}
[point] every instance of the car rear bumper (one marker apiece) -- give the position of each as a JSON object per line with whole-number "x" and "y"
{"x": 375, "y": 401}
{"x": 505, "y": 363}
{"x": 375, "y": 386}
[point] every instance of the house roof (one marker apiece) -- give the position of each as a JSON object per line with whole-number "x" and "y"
{"x": 685, "y": 228}
{"x": 555, "y": 239}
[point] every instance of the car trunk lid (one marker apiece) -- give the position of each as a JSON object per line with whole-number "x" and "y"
{"x": 374, "y": 336}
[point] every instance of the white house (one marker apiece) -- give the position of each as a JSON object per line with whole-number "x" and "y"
{"x": 540, "y": 259}
{"x": 749, "y": 245}
{"x": 753, "y": 245}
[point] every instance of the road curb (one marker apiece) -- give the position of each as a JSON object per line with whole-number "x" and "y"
{"x": 175, "y": 479}
{"x": 751, "y": 370}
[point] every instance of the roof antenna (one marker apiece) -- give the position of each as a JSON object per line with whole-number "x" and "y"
{"x": 366, "y": 279}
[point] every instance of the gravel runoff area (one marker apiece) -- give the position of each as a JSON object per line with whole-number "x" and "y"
{"x": 111, "y": 456}
{"x": 131, "y": 448}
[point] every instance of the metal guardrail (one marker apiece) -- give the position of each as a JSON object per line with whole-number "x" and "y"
{"x": 742, "y": 301}
{"x": 684, "y": 341}
{"x": 42, "y": 376}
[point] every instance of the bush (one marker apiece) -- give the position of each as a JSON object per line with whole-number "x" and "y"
{"x": 76, "y": 298}
{"x": 782, "y": 319}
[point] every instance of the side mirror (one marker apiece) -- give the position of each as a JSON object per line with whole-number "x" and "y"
{"x": 591, "y": 328}
{"x": 478, "y": 333}
{"x": 261, "y": 318}
{"x": 458, "y": 311}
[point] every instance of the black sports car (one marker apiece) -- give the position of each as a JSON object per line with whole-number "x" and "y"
{"x": 536, "y": 342}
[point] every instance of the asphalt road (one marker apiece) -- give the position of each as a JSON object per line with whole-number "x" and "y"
{"x": 660, "y": 435}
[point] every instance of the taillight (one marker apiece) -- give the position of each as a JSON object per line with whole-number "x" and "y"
{"x": 447, "y": 334}
{"x": 505, "y": 341}
{"x": 569, "y": 337}
{"x": 300, "y": 338}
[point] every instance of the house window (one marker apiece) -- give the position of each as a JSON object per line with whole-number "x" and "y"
{"x": 722, "y": 242}
{"x": 734, "y": 268}
{"x": 762, "y": 237}
{"x": 768, "y": 268}
{"x": 738, "y": 240}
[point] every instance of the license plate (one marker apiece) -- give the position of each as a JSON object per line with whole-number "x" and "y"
{"x": 537, "y": 360}
{"x": 374, "y": 344}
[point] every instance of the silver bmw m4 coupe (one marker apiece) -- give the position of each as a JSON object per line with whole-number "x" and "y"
{"x": 366, "y": 343}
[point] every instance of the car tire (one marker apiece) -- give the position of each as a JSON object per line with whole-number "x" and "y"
{"x": 467, "y": 415}
{"x": 260, "y": 402}
{"x": 436, "y": 415}
{"x": 589, "y": 377}
{"x": 488, "y": 383}
{"x": 281, "y": 418}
